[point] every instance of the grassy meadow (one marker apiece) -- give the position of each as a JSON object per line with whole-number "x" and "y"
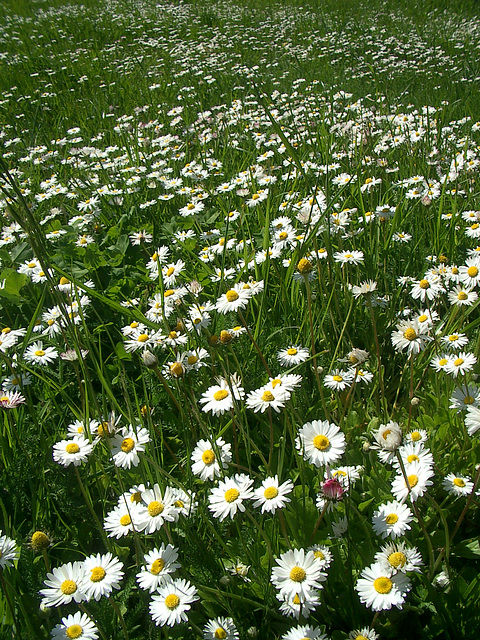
{"x": 239, "y": 334}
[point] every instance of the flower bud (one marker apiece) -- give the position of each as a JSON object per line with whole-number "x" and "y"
{"x": 149, "y": 359}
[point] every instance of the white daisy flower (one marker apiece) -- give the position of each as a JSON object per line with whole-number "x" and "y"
{"x": 304, "y": 632}
{"x": 458, "y": 485}
{"x": 226, "y": 499}
{"x": 159, "y": 565}
{"x": 223, "y": 628}
{"x": 235, "y": 298}
{"x": 77, "y": 625}
{"x": 266, "y": 397}
{"x": 126, "y": 445}
{"x": 38, "y": 354}
{"x": 8, "y": 552}
{"x": 398, "y": 556}
{"x": 392, "y": 519}
{"x": 461, "y": 364}
{"x": 409, "y": 336}
{"x": 472, "y": 420}
{"x": 380, "y": 590}
{"x": 297, "y": 606}
{"x": 418, "y": 477}
{"x": 270, "y": 496}
{"x": 171, "y": 603}
{"x": 207, "y": 458}
{"x": 339, "y": 379}
{"x": 297, "y": 572}
{"x": 292, "y": 355}
{"x": 102, "y": 574}
{"x": 154, "y": 509}
{"x": 320, "y": 442}
{"x": 63, "y": 585}
{"x": 118, "y": 522}
{"x": 74, "y": 451}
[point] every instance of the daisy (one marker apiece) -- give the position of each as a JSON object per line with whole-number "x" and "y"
{"x": 409, "y": 336}
{"x": 159, "y": 565}
{"x": 11, "y": 399}
{"x": 74, "y": 451}
{"x": 470, "y": 272}
{"x": 363, "y": 634}
{"x": 388, "y": 437}
{"x": 369, "y": 286}
{"x": 63, "y": 585}
{"x": 226, "y": 499}
{"x": 8, "y": 552}
{"x": 219, "y": 398}
{"x": 77, "y": 625}
{"x": 462, "y": 296}
{"x": 397, "y": 556}
{"x": 439, "y": 363}
{"x": 267, "y": 397}
{"x": 297, "y": 606}
{"x": 304, "y": 632}
{"x": 417, "y": 435}
{"x": 454, "y": 340}
{"x": 127, "y": 444}
{"x": 270, "y": 496}
{"x": 172, "y": 601}
{"x": 223, "y": 628}
{"x": 381, "y": 590}
{"x": 102, "y": 574}
{"x": 457, "y": 485}
{"x": 472, "y": 420}
{"x": 392, "y": 519}
{"x": 184, "y": 503}
{"x": 323, "y": 555}
{"x": 37, "y": 354}
{"x": 207, "y": 458}
{"x": 297, "y": 572}
{"x": 348, "y": 257}
{"x": 292, "y": 355}
{"x": 418, "y": 477}
{"x": 320, "y": 442}
{"x": 154, "y": 509}
{"x": 118, "y": 522}
{"x": 338, "y": 380}
{"x": 460, "y": 365}
{"x": 414, "y": 452}
{"x": 235, "y": 298}
{"x": 463, "y": 397}
{"x": 425, "y": 290}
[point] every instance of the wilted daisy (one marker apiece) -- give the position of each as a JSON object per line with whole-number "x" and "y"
{"x": 292, "y": 356}
{"x": 207, "y": 458}
{"x": 380, "y": 589}
{"x": 172, "y": 601}
{"x": 297, "y": 572}
{"x": 226, "y": 499}
{"x": 272, "y": 496}
{"x": 8, "y": 552}
{"x": 159, "y": 565}
{"x": 457, "y": 485}
{"x": 126, "y": 446}
{"x": 77, "y": 625}
{"x": 74, "y": 451}
{"x": 392, "y": 519}
{"x": 320, "y": 442}
{"x": 63, "y": 585}
{"x": 102, "y": 574}
{"x": 223, "y": 628}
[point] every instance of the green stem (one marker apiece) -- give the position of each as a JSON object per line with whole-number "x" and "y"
{"x": 10, "y": 605}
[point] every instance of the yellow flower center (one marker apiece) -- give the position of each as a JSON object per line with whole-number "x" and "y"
{"x": 74, "y": 631}
{"x": 283, "y": 235}
{"x": 337, "y": 378}
{"x": 155, "y": 257}
{"x": 422, "y": 318}
{"x": 321, "y": 442}
{"x": 412, "y": 458}
{"x": 410, "y": 334}
{"x": 304, "y": 266}
{"x": 415, "y": 436}
{"x": 4, "y": 399}
{"x": 458, "y": 362}
{"x": 143, "y": 337}
{"x": 424, "y": 284}
{"x": 127, "y": 445}
{"x": 442, "y": 362}
{"x": 220, "y": 633}
{"x": 412, "y": 480}
{"x": 292, "y": 352}
{"x": 459, "y": 482}
{"x": 319, "y": 555}
{"x": 64, "y": 280}
{"x": 360, "y": 637}
{"x": 453, "y": 337}
{"x": 383, "y": 585}
{"x": 208, "y": 457}
{"x": 221, "y": 394}
{"x": 168, "y": 293}
{"x": 468, "y": 400}
{"x": 231, "y": 495}
{"x": 392, "y": 518}
{"x": 173, "y": 335}
{"x": 170, "y": 271}
{"x": 472, "y": 271}
{"x": 176, "y": 369}
{"x": 155, "y": 508}
{"x": 97, "y": 574}
{"x": 190, "y": 206}
{"x": 462, "y": 295}
{"x": 172, "y": 601}
{"x": 270, "y": 493}
{"x": 157, "y": 566}
{"x": 267, "y": 396}
{"x": 232, "y": 295}
{"x": 125, "y": 520}
{"x": 192, "y": 359}
{"x": 225, "y": 337}
{"x": 39, "y": 541}
{"x": 72, "y": 447}
{"x": 397, "y": 559}
{"x": 39, "y": 353}
{"x": 68, "y": 587}
{"x": 297, "y": 574}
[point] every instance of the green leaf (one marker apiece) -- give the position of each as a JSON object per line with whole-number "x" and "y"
{"x": 468, "y": 549}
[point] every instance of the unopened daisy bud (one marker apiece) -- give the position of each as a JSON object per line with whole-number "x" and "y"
{"x": 225, "y": 337}
{"x": 213, "y": 340}
{"x": 426, "y": 201}
{"x": 149, "y": 359}
{"x": 39, "y": 541}
{"x": 389, "y": 436}
{"x": 224, "y": 581}
{"x": 332, "y": 489}
{"x": 415, "y": 401}
{"x": 366, "y": 447}
{"x": 304, "y": 266}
